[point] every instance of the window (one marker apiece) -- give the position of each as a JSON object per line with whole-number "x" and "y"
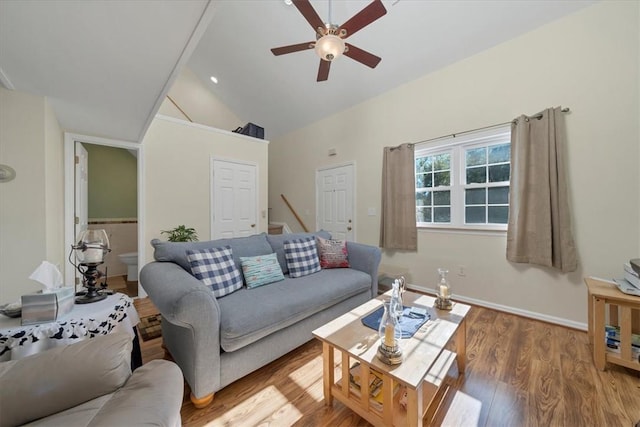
{"x": 463, "y": 182}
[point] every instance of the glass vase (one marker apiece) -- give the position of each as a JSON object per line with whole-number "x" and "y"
{"x": 389, "y": 331}
{"x": 443, "y": 291}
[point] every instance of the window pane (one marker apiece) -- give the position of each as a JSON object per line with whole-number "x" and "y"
{"x": 499, "y": 173}
{"x": 475, "y": 215}
{"x": 427, "y": 180}
{"x": 499, "y": 195}
{"x": 423, "y": 214}
{"x": 421, "y": 180}
{"x": 498, "y": 214}
{"x": 477, "y": 196}
{"x": 500, "y": 153}
{"x": 441, "y": 178}
{"x": 477, "y": 156}
{"x": 442, "y": 162}
{"x": 424, "y": 164}
{"x": 442, "y": 214}
{"x": 476, "y": 175}
{"x": 441, "y": 198}
{"x": 423, "y": 198}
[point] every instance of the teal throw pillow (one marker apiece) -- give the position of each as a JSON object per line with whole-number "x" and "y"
{"x": 261, "y": 270}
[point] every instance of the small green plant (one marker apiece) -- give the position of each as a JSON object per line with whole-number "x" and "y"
{"x": 181, "y": 234}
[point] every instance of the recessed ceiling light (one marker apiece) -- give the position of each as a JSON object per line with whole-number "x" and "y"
{"x": 214, "y": 79}
{"x": 288, "y": 2}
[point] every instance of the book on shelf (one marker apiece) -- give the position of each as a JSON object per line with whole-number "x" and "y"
{"x": 376, "y": 397}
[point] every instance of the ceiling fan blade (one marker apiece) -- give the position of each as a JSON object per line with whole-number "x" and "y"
{"x": 309, "y": 13}
{"x": 323, "y": 70}
{"x": 362, "y": 56}
{"x": 291, "y": 48}
{"x": 363, "y": 18}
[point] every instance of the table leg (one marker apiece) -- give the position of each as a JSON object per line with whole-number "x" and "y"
{"x": 414, "y": 407}
{"x": 327, "y": 373}
{"x": 590, "y": 316}
{"x": 599, "y": 356}
{"x": 461, "y": 346}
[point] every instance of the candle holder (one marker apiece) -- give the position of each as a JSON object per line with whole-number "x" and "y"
{"x": 90, "y": 249}
{"x": 390, "y": 334}
{"x": 443, "y": 291}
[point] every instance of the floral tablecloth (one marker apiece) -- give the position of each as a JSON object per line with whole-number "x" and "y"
{"x": 113, "y": 314}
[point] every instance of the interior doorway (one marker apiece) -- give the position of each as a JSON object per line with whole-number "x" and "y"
{"x": 111, "y": 172}
{"x": 335, "y": 200}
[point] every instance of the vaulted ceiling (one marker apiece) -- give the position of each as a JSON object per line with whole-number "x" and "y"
{"x": 107, "y": 65}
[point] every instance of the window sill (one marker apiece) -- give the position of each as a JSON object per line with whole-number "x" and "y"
{"x": 463, "y": 230}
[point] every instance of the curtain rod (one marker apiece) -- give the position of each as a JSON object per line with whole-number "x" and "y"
{"x": 535, "y": 116}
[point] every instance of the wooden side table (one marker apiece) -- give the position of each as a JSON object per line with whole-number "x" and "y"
{"x": 422, "y": 374}
{"x": 623, "y": 311}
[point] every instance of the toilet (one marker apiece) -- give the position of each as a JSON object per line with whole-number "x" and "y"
{"x": 131, "y": 260}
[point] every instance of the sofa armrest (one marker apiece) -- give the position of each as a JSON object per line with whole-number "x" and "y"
{"x": 192, "y": 334}
{"x": 152, "y": 396}
{"x": 63, "y": 377}
{"x": 365, "y": 258}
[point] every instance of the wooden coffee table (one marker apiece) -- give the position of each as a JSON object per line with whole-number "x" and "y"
{"x": 423, "y": 370}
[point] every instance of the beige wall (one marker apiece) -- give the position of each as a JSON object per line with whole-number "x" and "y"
{"x": 589, "y": 62}
{"x": 177, "y": 158}
{"x": 195, "y": 98}
{"x": 31, "y": 205}
{"x": 54, "y": 188}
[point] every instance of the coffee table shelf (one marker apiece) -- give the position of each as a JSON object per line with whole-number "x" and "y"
{"x": 422, "y": 374}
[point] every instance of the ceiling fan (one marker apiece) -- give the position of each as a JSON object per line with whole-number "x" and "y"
{"x": 330, "y": 44}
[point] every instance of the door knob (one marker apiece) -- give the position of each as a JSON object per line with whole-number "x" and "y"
{"x": 253, "y": 225}
{"x": 348, "y": 228}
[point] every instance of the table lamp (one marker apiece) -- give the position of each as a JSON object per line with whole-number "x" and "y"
{"x": 90, "y": 248}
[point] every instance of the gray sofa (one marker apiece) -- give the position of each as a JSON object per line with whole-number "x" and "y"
{"x": 217, "y": 341}
{"x": 89, "y": 383}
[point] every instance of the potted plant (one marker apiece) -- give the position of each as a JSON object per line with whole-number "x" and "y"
{"x": 181, "y": 234}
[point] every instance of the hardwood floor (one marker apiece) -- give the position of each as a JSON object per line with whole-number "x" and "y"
{"x": 520, "y": 372}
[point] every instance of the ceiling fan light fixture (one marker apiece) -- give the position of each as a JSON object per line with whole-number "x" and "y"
{"x": 330, "y": 47}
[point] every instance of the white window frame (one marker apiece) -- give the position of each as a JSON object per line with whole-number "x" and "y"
{"x": 456, "y": 146}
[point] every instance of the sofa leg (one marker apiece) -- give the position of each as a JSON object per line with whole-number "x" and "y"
{"x": 200, "y": 403}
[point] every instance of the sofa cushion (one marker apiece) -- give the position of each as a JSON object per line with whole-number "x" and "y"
{"x": 250, "y": 314}
{"x": 302, "y": 256}
{"x": 261, "y": 270}
{"x": 332, "y": 253}
{"x": 277, "y": 244}
{"x": 240, "y": 246}
{"x": 63, "y": 377}
{"x": 216, "y": 269}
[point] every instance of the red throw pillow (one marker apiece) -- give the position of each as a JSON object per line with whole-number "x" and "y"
{"x": 333, "y": 253}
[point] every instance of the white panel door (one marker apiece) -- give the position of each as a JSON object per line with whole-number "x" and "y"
{"x": 234, "y": 199}
{"x": 335, "y": 200}
{"x": 81, "y": 201}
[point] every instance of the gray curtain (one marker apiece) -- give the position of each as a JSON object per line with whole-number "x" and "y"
{"x": 539, "y": 230}
{"x": 398, "y": 217}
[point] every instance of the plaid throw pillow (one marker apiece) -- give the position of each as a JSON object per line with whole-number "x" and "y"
{"x": 301, "y": 256}
{"x": 216, "y": 269}
{"x": 333, "y": 253}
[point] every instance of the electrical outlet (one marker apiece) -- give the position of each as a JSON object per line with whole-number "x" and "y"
{"x": 462, "y": 270}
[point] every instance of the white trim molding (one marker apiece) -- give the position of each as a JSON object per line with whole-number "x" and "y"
{"x": 511, "y": 310}
{"x": 69, "y": 195}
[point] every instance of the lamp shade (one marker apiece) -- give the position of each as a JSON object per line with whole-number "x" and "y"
{"x": 329, "y": 47}
{"x": 91, "y": 246}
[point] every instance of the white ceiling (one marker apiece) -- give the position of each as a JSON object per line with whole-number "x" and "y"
{"x": 106, "y": 65}
{"x": 103, "y": 65}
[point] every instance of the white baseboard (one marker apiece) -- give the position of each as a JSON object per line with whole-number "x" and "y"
{"x": 512, "y": 310}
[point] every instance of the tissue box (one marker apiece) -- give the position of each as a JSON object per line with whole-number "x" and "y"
{"x": 47, "y": 307}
